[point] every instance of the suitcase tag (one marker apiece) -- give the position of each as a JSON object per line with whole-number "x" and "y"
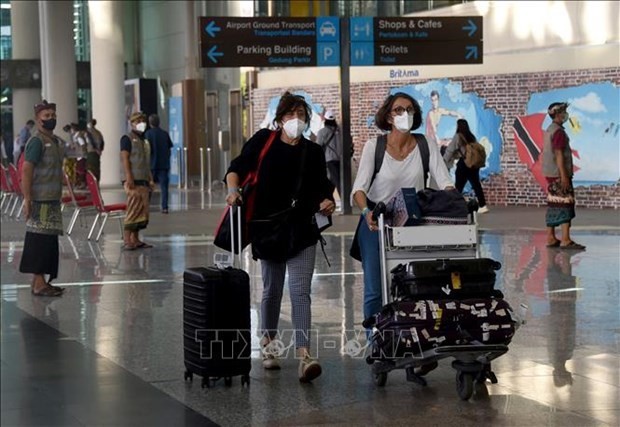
{"x": 456, "y": 280}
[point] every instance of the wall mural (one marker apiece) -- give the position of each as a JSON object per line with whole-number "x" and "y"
{"x": 593, "y": 129}
{"x": 443, "y": 102}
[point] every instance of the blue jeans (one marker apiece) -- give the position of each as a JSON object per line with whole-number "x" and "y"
{"x": 162, "y": 177}
{"x": 369, "y": 248}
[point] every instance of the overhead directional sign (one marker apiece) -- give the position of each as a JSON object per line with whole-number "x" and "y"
{"x": 269, "y": 42}
{"x": 416, "y": 41}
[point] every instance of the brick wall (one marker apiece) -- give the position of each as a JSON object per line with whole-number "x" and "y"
{"x": 507, "y": 94}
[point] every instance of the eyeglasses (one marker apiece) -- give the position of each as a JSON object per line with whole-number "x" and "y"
{"x": 400, "y": 110}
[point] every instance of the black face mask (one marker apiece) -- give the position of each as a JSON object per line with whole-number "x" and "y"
{"x": 49, "y": 124}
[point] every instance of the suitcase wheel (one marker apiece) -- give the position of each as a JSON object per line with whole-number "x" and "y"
{"x": 380, "y": 379}
{"x": 188, "y": 376}
{"x": 245, "y": 379}
{"x": 464, "y": 384}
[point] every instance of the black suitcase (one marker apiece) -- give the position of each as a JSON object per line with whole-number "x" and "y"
{"x": 445, "y": 278}
{"x": 216, "y": 324}
{"x": 410, "y": 328}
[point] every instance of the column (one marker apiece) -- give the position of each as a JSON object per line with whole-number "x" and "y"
{"x": 58, "y": 67}
{"x": 108, "y": 83}
{"x": 25, "y": 40}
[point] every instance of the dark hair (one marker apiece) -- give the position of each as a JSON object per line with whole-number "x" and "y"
{"x": 556, "y": 107}
{"x": 154, "y": 120}
{"x": 434, "y": 93}
{"x": 462, "y": 127}
{"x": 382, "y": 116}
{"x": 288, "y": 103}
{"x": 330, "y": 123}
{"x": 93, "y": 122}
{"x": 30, "y": 122}
{"x": 66, "y": 128}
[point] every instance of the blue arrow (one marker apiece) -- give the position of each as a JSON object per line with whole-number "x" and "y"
{"x": 471, "y": 27}
{"x": 472, "y": 51}
{"x": 212, "y": 54}
{"x": 211, "y": 29}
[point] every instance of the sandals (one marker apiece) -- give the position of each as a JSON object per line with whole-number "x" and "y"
{"x": 573, "y": 246}
{"x": 127, "y": 247}
{"x": 48, "y": 291}
{"x": 554, "y": 244}
{"x": 143, "y": 245}
{"x": 60, "y": 288}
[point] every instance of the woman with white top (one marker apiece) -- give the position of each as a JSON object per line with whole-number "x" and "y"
{"x": 401, "y": 168}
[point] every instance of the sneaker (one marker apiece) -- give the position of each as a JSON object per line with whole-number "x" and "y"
{"x": 309, "y": 369}
{"x": 269, "y": 352}
{"x": 483, "y": 209}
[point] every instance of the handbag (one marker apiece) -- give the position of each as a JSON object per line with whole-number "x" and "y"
{"x": 223, "y": 232}
{"x": 273, "y": 237}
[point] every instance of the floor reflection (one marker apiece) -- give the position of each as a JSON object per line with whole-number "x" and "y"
{"x": 562, "y": 367}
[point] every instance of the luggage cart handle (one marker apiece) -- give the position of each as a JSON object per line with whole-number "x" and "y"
{"x": 378, "y": 210}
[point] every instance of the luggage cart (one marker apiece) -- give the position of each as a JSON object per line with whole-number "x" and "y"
{"x": 398, "y": 245}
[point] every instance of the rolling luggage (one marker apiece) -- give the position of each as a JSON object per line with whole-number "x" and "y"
{"x": 445, "y": 278}
{"x": 216, "y": 324}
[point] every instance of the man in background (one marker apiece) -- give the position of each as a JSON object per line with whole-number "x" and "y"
{"x": 20, "y": 142}
{"x": 161, "y": 144}
{"x": 94, "y": 149}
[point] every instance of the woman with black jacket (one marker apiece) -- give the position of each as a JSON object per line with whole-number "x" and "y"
{"x": 292, "y": 187}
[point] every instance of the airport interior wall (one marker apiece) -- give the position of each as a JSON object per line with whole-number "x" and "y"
{"x": 506, "y": 94}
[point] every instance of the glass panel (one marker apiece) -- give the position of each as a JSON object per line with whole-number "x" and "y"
{"x": 5, "y": 30}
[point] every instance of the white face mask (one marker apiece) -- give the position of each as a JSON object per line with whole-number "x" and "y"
{"x": 141, "y": 127}
{"x": 294, "y": 128}
{"x": 403, "y": 122}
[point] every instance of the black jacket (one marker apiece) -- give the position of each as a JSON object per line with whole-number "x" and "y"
{"x": 278, "y": 179}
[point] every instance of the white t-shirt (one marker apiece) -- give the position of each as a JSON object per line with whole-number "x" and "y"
{"x": 396, "y": 174}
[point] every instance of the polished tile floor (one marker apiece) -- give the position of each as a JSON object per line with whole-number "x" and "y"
{"x": 109, "y": 352}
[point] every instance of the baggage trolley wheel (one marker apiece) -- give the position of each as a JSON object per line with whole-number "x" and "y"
{"x": 245, "y": 379}
{"x": 228, "y": 381}
{"x": 380, "y": 379}
{"x": 188, "y": 376}
{"x": 464, "y": 385}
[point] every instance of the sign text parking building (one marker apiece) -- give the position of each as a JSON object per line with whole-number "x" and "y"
{"x": 269, "y": 42}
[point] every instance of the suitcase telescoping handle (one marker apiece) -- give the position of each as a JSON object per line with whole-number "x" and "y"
{"x": 235, "y": 231}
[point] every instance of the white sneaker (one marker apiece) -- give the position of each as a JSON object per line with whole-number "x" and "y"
{"x": 309, "y": 369}
{"x": 269, "y": 352}
{"x": 483, "y": 210}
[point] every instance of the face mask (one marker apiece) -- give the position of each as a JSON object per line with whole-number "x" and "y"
{"x": 294, "y": 128}
{"x": 141, "y": 127}
{"x": 49, "y": 124}
{"x": 403, "y": 122}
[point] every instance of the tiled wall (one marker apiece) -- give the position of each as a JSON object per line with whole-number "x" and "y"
{"x": 507, "y": 94}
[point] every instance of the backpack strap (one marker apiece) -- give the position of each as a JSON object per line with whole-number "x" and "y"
{"x": 425, "y": 153}
{"x": 379, "y": 155}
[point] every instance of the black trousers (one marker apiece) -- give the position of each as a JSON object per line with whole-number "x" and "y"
{"x": 333, "y": 168}
{"x": 464, "y": 174}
